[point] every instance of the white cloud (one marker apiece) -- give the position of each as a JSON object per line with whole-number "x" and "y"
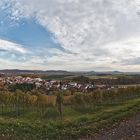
{"x": 98, "y": 33}
{"x": 11, "y": 47}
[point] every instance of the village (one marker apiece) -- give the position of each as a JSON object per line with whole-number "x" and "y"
{"x": 50, "y": 85}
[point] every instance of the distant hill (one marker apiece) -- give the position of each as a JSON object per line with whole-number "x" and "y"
{"x": 49, "y": 72}
{"x": 62, "y": 72}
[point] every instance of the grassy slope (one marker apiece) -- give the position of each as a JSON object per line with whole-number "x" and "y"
{"x": 76, "y": 123}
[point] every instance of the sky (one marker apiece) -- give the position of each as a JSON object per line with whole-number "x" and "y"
{"x": 73, "y": 35}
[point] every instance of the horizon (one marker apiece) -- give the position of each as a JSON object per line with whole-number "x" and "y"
{"x": 70, "y": 35}
{"x": 71, "y": 71}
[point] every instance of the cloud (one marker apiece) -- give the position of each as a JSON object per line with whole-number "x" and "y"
{"x": 11, "y": 47}
{"x": 96, "y": 33}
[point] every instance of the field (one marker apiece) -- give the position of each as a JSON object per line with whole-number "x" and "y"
{"x": 78, "y": 121}
{"x": 33, "y": 115}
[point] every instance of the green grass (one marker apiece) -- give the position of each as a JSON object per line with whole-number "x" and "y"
{"x": 77, "y": 122}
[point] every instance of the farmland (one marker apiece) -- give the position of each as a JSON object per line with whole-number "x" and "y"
{"x": 77, "y": 123}
{"x": 37, "y": 116}
{"x": 78, "y": 107}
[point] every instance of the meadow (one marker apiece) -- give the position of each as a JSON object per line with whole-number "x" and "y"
{"x": 37, "y": 117}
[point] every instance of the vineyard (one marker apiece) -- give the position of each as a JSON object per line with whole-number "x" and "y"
{"x": 26, "y": 116}
{"x": 19, "y": 102}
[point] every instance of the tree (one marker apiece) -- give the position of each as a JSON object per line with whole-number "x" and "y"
{"x": 59, "y": 102}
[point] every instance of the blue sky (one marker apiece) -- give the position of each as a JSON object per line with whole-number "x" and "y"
{"x": 73, "y": 35}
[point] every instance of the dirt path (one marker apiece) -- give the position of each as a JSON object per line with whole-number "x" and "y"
{"x": 126, "y": 130}
{"x": 3, "y": 138}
